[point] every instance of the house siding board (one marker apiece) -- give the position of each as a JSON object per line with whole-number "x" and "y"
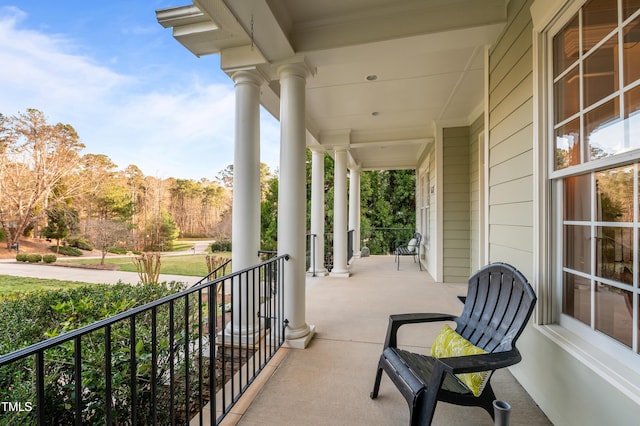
{"x": 456, "y": 210}
{"x": 519, "y": 119}
{"x": 521, "y": 53}
{"x": 513, "y": 192}
{"x": 518, "y": 19}
{"x": 512, "y": 147}
{"x": 516, "y": 168}
{"x": 519, "y": 96}
{"x": 519, "y": 214}
{"x": 474, "y": 193}
{"x": 520, "y": 70}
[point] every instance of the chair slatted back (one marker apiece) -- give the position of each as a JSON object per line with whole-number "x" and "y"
{"x": 498, "y": 305}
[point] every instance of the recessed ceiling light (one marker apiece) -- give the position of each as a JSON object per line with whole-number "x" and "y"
{"x": 372, "y": 77}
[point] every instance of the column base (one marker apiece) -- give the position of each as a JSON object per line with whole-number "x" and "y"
{"x": 239, "y": 340}
{"x": 320, "y": 273}
{"x": 340, "y": 274}
{"x": 301, "y": 342}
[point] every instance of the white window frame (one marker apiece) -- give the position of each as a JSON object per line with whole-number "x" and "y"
{"x": 611, "y": 360}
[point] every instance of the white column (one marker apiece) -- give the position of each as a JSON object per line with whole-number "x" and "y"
{"x": 246, "y": 198}
{"x": 292, "y": 200}
{"x": 317, "y": 212}
{"x": 354, "y": 208}
{"x": 340, "y": 215}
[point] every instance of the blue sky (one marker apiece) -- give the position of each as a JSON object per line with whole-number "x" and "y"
{"x": 131, "y": 91}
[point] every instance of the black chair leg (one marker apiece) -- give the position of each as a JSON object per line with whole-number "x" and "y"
{"x": 376, "y": 384}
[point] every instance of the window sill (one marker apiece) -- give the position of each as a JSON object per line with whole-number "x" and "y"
{"x": 609, "y": 368}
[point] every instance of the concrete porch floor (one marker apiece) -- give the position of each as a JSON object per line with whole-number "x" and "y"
{"x": 329, "y": 382}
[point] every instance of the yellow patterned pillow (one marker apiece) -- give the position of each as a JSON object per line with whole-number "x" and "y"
{"x": 448, "y": 343}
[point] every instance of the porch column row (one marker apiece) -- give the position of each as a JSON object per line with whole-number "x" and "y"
{"x": 340, "y": 215}
{"x": 292, "y": 198}
{"x": 317, "y": 212}
{"x": 246, "y": 199}
{"x": 354, "y": 208}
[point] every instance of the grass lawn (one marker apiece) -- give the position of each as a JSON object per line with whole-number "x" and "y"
{"x": 189, "y": 264}
{"x": 10, "y": 284}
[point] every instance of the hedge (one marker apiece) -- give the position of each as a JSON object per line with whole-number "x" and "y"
{"x": 67, "y": 251}
{"x": 27, "y": 319}
{"x": 34, "y": 258}
{"x": 49, "y": 258}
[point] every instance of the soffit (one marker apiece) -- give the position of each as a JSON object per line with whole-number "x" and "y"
{"x": 428, "y": 56}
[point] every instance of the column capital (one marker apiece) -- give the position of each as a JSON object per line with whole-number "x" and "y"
{"x": 295, "y": 66}
{"x": 248, "y": 76}
{"x": 317, "y": 148}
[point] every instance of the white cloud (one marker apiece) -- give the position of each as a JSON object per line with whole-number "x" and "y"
{"x": 177, "y": 128}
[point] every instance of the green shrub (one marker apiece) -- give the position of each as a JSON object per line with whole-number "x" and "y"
{"x": 28, "y": 319}
{"x": 34, "y": 258}
{"x": 80, "y": 243}
{"x": 224, "y": 245}
{"x": 67, "y": 251}
{"x": 21, "y": 257}
{"x": 49, "y": 258}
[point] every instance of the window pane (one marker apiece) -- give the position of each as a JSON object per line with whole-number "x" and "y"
{"x": 604, "y": 130}
{"x": 614, "y": 253}
{"x": 632, "y": 116}
{"x": 601, "y": 72}
{"x": 567, "y": 149}
{"x": 565, "y": 47}
{"x": 613, "y": 312}
{"x": 631, "y": 49}
{"x": 614, "y": 195}
{"x": 566, "y": 94}
{"x": 577, "y": 248}
{"x": 577, "y": 198}
{"x": 599, "y": 18}
{"x": 576, "y": 300}
{"x": 629, "y": 7}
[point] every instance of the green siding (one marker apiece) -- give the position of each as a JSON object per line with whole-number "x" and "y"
{"x": 456, "y": 204}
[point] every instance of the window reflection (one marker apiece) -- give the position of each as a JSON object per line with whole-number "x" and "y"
{"x": 567, "y": 95}
{"x": 577, "y": 252}
{"x": 632, "y": 116}
{"x": 604, "y": 130}
{"x": 614, "y": 195}
{"x": 601, "y": 72}
{"x": 613, "y": 312}
{"x": 577, "y": 202}
{"x": 567, "y": 149}
{"x": 629, "y": 7}
{"x": 565, "y": 47}
{"x": 599, "y": 18}
{"x": 576, "y": 300}
{"x": 631, "y": 51}
{"x": 614, "y": 253}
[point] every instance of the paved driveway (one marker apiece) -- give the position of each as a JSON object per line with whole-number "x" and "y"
{"x": 20, "y": 269}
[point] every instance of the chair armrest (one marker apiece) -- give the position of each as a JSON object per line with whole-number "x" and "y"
{"x": 396, "y": 321}
{"x": 482, "y": 362}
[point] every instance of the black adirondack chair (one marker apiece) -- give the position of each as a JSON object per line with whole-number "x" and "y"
{"x": 497, "y": 308}
{"x": 412, "y": 248}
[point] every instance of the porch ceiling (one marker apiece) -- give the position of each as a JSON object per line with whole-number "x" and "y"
{"x": 427, "y": 57}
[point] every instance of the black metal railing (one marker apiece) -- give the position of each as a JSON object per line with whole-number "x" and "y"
{"x": 385, "y": 240}
{"x": 161, "y": 363}
{"x": 310, "y": 264}
{"x": 350, "y": 234}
